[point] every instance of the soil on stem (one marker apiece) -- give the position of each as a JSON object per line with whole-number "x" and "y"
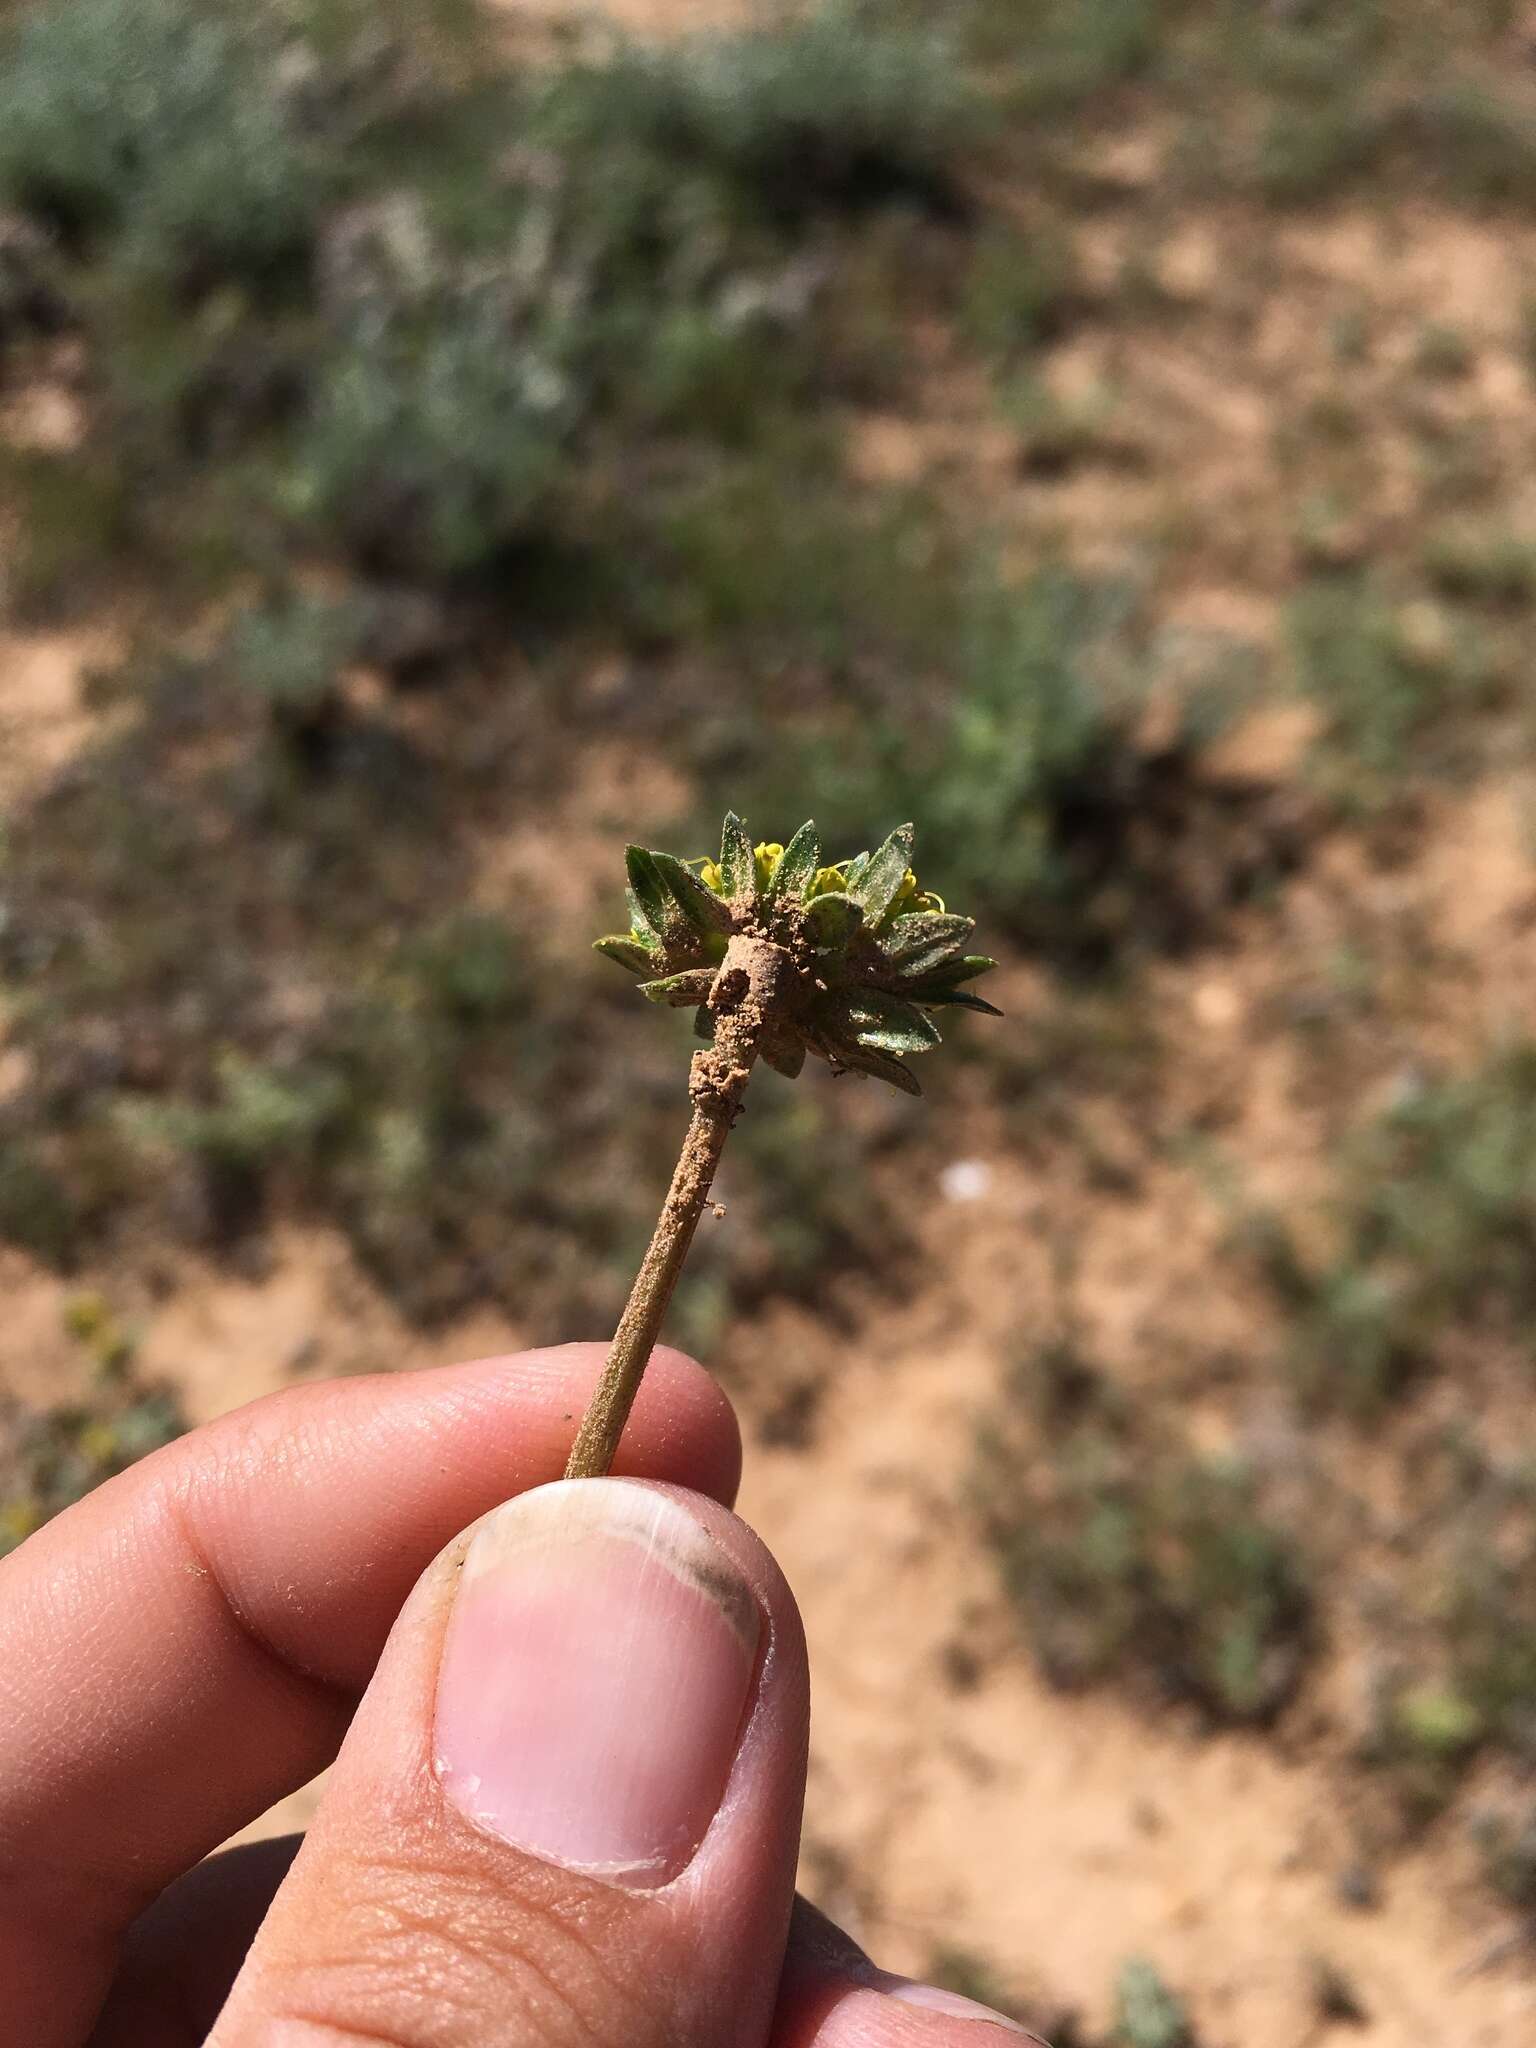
{"x": 753, "y": 979}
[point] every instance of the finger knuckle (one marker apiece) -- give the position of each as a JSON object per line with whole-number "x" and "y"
{"x": 426, "y": 1954}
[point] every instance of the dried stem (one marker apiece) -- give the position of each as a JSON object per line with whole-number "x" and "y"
{"x": 752, "y": 978}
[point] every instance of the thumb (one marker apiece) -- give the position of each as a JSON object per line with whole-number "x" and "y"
{"x": 568, "y": 1809}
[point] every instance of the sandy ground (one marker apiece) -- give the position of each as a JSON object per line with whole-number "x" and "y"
{"x": 42, "y": 718}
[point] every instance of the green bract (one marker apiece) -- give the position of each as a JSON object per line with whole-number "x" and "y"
{"x": 873, "y": 953}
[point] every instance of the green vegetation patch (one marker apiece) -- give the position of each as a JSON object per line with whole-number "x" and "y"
{"x": 1431, "y": 1232}
{"x": 52, "y": 1456}
{"x": 1128, "y": 1556}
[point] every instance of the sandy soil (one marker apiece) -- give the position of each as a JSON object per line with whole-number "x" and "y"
{"x": 42, "y": 718}
{"x": 1055, "y": 1836}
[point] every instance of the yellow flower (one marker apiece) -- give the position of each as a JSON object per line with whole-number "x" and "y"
{"x": 825, "y": 882}
{"x": 767, "y": 854}
{"x": 910, "y": 898}
{"x": 867, "y": 972}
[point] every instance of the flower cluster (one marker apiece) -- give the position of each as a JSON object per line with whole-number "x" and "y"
{"x": 874, "y": 953}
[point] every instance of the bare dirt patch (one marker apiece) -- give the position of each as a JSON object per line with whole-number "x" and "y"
{"x": 42, "y": 716}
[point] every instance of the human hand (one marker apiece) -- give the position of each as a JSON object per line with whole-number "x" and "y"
{"x": 566, "y": 1804}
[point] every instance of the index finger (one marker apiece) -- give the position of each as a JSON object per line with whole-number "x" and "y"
{"x": 186, "y": 1645}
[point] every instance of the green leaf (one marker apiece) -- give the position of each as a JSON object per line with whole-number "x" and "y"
{"x": 797, "y": 867}
{"x": 649, "y": 897}
{"x": 679, "y": 990}
{"x": 704, "y": 1023}
{"x": 831, "y": 920}
{"x": 785, "y": 1055}
{"x": 629, "y": 952}
{"x": 956, "y": 971}
{"x": 890, "y": 1023}
{"x": 883, "y": 1065}
{"x": 878, "y": 883}
{"x": 925, "y": 940}
{"x": 738, "y": 869}
{"x": 869, "y": 1017}
{"x": 702, "y": 908}
{"x": 953, "y": 998}
{"x": 854, "y": 869}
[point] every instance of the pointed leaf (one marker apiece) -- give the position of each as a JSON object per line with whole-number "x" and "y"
{"x": 953, "y": 998}
{"x": 860, "y": 1018}
{"x": 956, "y": 971}
{"x": 785, "y": 1055}
{"x": 797, "y": 867}
{"x": 924, "y": 940}
{"x": 738, "y": 869}
{"x": 884, "y": 1066}
{"x": 853, "y": 869}
{"x": 680, "y": 990}
{"x": 704, "y": 1023}
{"x": 701, "y": 907}
{"x": 831, "y": 920}
{"x": 889, "y": 1022}
{"x": 629, "y": 952}
{"x": 878, "y": 883}
{"x": 649, "y": 898}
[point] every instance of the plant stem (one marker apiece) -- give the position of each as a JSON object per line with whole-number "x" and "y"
{"x": 753, "y": 977}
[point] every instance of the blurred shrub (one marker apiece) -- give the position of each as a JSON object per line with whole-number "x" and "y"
{"x": 1506, "y": 1843}
{"x": 435, "y": 438}
{"x": 50, "y": 1458}
{"x": 165, "y": 123}
{"x": 502, "y": 296}
{"x": 1433, "y": 1224}
{"x": 1147, "y": 2013}
{"x": 785, "y": 583}
{"x": 35, "y": 1209}
{"x": 1011, "y": 720}
{"x": 1482, "y": 563}
{"x": 1454, "y": 1622}
{"x": 1059, "y": 53}
{"x": 1490, "y": 1629}
{"x": 1309, "y": 149}
{"x": 1038, "y": 731}
{"x": 288, "y": 653}
{"x": 811, "y": 1165}
{"x": 844, "y": 104}
{"x": 1385, "y": 676}
{"x": 1482, "y": 142}
{"x": 1129, "y": 1556}
{"x": 394, "y": 1079}
{"x": 1033, "y": 731}
{"x": 1324, "y": 117}
{"x": 1425, "y": 1732}
{"x": 78, "y": 514}
{"x": 1020, "y": 290}
{"x": 961, "y": 1970}
{"x": 258, "y": 1116}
